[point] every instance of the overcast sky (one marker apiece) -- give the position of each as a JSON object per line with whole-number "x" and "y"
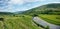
{"x": 22, "y": 5}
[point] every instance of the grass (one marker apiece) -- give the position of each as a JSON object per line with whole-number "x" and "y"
{"x": 54, "y": 19}
{"x": 18, "y": 22}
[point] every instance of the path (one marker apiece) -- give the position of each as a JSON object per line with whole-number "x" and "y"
{"x": 44, "y": 23}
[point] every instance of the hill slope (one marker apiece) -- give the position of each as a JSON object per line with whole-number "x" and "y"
{"x": 45, "y": 9}
{"x": 5, "y": 13}
{"x": 18, "y": 22}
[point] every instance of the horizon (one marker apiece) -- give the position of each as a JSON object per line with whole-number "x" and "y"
{"x": 22, "y": 5}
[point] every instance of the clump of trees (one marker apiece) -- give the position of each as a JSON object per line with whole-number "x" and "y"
{"x": 50, "y": 12}
{"x": 47, "y": 27}
{"x": 1, "y": 19}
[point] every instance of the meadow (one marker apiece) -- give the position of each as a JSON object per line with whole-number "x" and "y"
{"x": 54, "y": 19}
{"x": 17, "y": 22}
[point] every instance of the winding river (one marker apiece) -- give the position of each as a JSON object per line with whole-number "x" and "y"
{"x": 44, "y": 23}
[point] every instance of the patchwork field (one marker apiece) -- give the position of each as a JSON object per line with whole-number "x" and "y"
{"x": 17, "y": 22}
{"x": 54, "y": 19}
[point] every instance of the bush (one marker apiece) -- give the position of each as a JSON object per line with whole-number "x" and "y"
{"x": 47, "y": 27}
{"x": 58, "y": 17}
{"x": 1, "y": 19}
{"x": 35, "y": 15}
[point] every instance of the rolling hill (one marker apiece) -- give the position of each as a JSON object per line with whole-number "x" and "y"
{"x": 25, "y": 21}
{"x": 53, "y": 8}
{"x": 6, "y": 13}
{"x": 48, "y": 12}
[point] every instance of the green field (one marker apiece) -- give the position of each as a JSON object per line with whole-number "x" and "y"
{"x": 54, "y": 19}
{"x": 18, "y": 22}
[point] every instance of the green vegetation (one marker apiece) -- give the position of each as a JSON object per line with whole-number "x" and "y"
{"x": 54, "y": 19}
{"x": 23, "y": 20}
{"x": 5, "y": 13}
{"x": 52, "y": 12}
{"x": 45, "y": 9}
{"x": 18, "y": 22}
{"x": 47, "y": 27}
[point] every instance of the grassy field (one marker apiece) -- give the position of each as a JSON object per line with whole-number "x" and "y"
{"x": 25, "y": 21}
{"x": 18, "y": 22}
{"x": 54, "y": 19}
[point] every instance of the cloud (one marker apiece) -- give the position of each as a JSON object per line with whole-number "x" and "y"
{"x": 18, "y": 5}
{"x": 4, "y": 4}
{"x": 24, "y": 1}
{"x": 17, "y": 1}
{"x": 56, "y": 2}
{"x": 33, "y": 0}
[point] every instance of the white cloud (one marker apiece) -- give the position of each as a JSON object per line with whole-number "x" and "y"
{"x": 16, "y": 1}
{"x": 23, "y": 1}
{"x": 20, "y": 2}
{"x": 33, "y": 0}
{"x": 55, "y": 2}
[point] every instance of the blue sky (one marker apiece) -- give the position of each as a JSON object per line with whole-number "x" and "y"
{"x": 22, "y": 5}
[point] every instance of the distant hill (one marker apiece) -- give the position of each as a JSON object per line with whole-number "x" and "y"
{"x": 19, "y": 12}
{"x": 53, "y": 8}
{"x": 5, "y": 13}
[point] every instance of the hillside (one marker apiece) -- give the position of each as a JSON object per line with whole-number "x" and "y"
{"x": 5, "y": 13}
{"x": 48, "y": 12}
{"x": 18, "y": 22}
{"x": 53, "y": 8}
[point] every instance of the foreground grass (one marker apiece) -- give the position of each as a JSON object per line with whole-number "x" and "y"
{"x": 18, "y": 22}
{"x": 54, "y": 19}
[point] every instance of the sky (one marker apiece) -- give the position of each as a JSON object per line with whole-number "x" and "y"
{"x": 22, "y": 5}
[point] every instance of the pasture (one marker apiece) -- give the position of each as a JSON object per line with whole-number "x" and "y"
{"x": 54, "y": 19}
{"x": 17, "y": 22}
